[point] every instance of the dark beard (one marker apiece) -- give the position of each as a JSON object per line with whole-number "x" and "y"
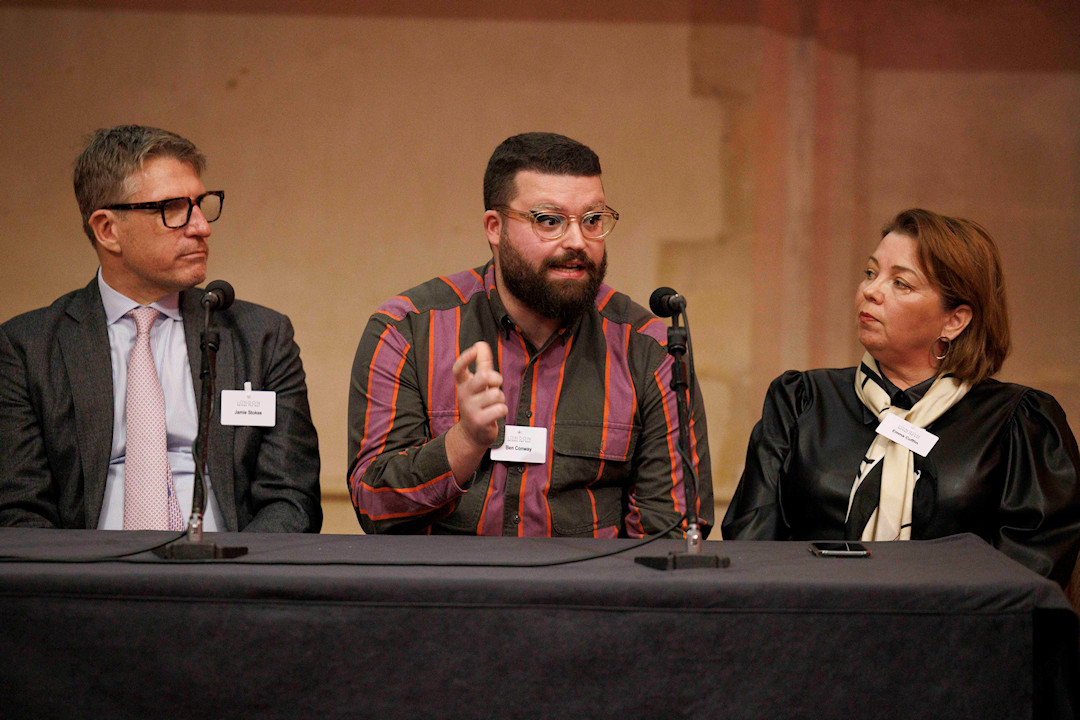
{"x": 561, "y": 300}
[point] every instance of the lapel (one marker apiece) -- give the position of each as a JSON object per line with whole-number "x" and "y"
{"x": 220, "y": 450}
{"x": 84, "y": 344}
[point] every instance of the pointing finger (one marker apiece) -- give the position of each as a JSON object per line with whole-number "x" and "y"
{"x": 484, "y": 360}
{"x": 461, "y": 365}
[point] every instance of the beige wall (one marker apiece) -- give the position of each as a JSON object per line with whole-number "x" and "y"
{"x": 351, "y": 148}
{"x": 753, "y": 149}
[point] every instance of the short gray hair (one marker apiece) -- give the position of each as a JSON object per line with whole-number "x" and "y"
{"x": 112, "y": 155}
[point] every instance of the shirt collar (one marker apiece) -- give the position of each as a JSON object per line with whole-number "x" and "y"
{"x": 498, "y": 310}
{"x": 906, "y": 399}
{"x": 118, "y": 305}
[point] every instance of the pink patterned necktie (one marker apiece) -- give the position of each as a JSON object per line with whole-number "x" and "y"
{"x": 149, "y": 495}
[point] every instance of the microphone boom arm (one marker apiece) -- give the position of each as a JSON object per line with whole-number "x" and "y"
{"x": 218, "y": 295}
{"x": 665, "y": 302}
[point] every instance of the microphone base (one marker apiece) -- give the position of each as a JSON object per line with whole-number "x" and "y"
{"x": 201, "y": 550}
{"x": 683, "y": 561}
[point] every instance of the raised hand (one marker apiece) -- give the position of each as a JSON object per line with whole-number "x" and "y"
{"x": 481, "y": 404}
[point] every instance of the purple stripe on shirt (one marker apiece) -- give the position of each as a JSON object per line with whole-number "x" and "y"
{"x": 510, "y": 359}
{"x": 546, "y": 372}
{"x": 443, "y": 349}
{"x": 385, "y": 503}
{"x": 621, "y": 397}
{"x": 512, "y": 366}
{"x": 492, "y": 518}
{"x": 603, "y": 294}
{"x": 382, "y": 380}
{"x": 655, "y": 329}
{"x": 634, "y": 528}
{"x": 397, "y": 307}
{"x": 671, "y": 411}
{"x": 383, "y": 375}
{"x": 465, "y": 283}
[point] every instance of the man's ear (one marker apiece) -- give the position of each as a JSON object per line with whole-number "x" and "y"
{"x": 493, "y": 226}
{"x": 103, "y": 223}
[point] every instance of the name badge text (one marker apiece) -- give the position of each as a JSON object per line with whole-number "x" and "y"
{"x": 522, "y": 443}
{"x": 251, "y": 408}
{"x": 913, "y": 437}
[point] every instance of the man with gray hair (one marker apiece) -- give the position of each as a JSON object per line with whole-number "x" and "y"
{"x": 98, "y": 410}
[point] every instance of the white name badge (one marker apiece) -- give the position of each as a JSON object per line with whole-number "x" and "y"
{"x": 522, "y": 443}
{"x": 912, "y": 437}
{"x": 249, "y": 407}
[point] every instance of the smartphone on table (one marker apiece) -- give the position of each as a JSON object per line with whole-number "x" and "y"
{"x": 839, "y": 548}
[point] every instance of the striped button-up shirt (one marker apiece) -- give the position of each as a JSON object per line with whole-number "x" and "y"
{"x": 601, "y": 386}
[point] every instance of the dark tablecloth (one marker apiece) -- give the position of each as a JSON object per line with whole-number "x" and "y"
{"x": 328, "y": 626}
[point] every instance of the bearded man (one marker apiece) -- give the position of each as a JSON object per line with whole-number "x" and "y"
{"x": 524, "y": 397}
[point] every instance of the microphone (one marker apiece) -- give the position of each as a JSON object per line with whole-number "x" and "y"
{"x": 665, "y": 302}
{"x": 219, "y": 295}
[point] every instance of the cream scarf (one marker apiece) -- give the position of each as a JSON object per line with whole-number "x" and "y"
{"x": 891, "y": 520}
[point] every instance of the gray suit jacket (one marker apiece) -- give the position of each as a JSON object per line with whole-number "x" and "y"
{"x": 56, "y": 417}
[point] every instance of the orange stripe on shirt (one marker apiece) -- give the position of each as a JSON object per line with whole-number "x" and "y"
{"x": 633, "y": 398}
{"x": 367, "y": 390}
{"x": 671, "y": 449}
{"x": 393, "y": 403}
{"x": 525, "y": 470}
{"x": 393, "y": 316}
{"x": 406, "y": 491}
{"x": 452, "y": 287}
{"x": 603, "y": 432}
{"x": 457, "y": 353}
{"x": 693, "y": 453}
{"x": 551, "y": 433}
{"x": 603, "y": 303}
{"x": 641, "y": 330}
{"x": 491, "y": 477}
{"x": 399, "y": 491}
{"x": 430, "y": 369}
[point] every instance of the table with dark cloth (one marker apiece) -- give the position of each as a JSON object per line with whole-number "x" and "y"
{"x": 330, "y": 626}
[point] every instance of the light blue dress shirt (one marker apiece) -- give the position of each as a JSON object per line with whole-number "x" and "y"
{"x": 181, "y": 412}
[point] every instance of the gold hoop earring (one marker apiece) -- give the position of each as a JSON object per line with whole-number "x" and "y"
{"x": 948, "y": 348}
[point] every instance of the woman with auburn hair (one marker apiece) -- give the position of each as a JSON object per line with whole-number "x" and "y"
{"x": 918, "y": 441}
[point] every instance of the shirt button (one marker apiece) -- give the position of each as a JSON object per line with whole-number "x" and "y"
{"x": 517, "y": 519}
{"x": 528, "y": 413}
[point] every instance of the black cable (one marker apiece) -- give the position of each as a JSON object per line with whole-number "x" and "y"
{"x": 691, "y": 380}
{"x": 95, "y": 558}
{"x": 690, "y": 359}
{"x": 250, "y": 560}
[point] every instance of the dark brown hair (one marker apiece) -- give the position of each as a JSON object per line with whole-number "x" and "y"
{"x": 962, "y": 262}
{"x": 543, "y": 152}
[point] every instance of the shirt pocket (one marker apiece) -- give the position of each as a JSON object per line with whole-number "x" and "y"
{"x": 589, "y": 473}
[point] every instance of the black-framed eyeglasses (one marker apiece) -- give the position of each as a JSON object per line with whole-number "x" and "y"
{"x": 176, "y": 212}
{"x": 552, "y": 224}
